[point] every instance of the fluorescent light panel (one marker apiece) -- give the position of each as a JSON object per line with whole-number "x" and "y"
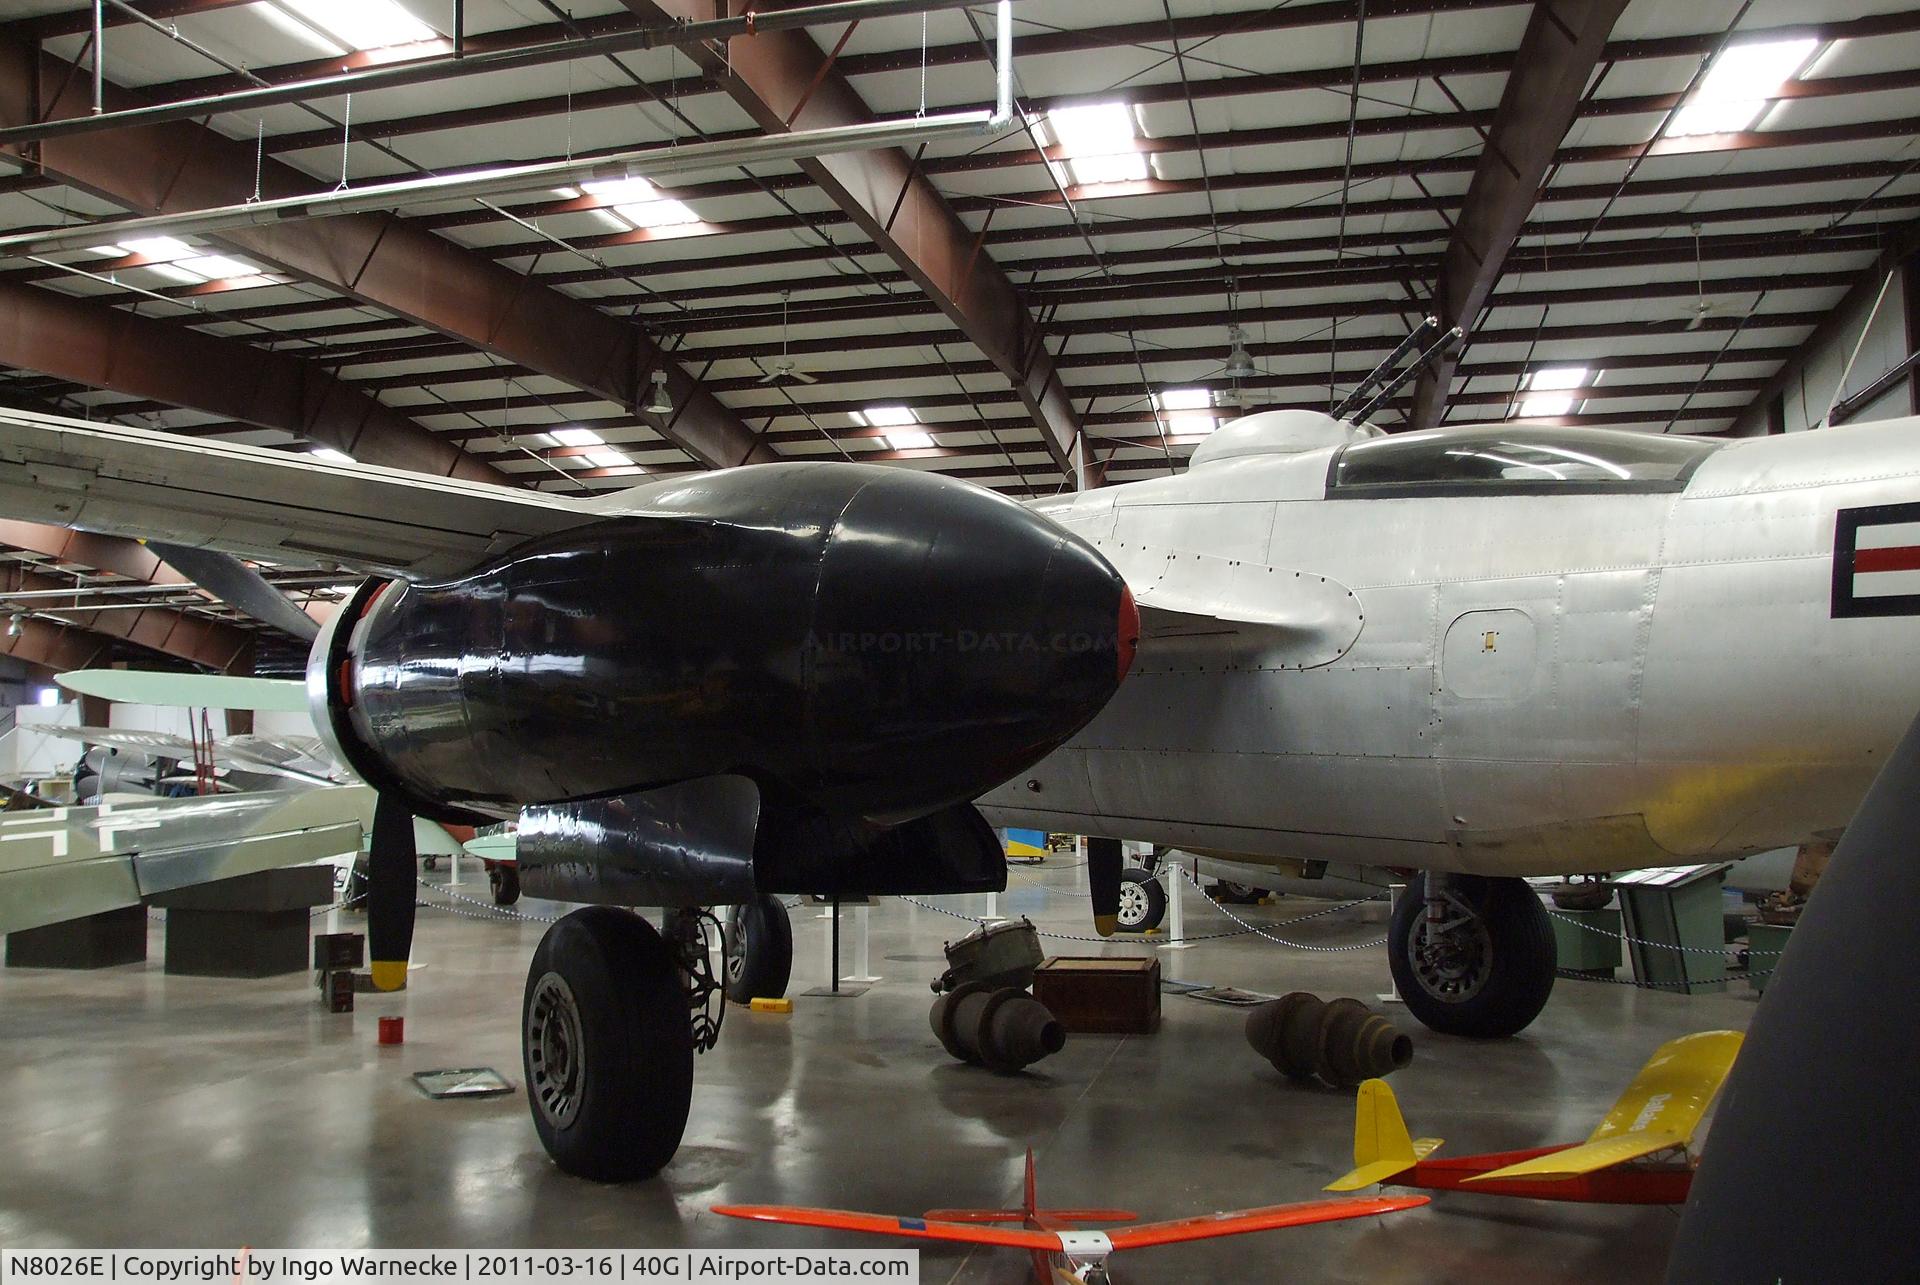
{"x": 1743, "y": 82}
{"x": 330, "y": 455}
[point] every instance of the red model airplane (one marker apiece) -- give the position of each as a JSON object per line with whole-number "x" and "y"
{"x": 1062, "y": 1250}
{"x": 1637, "y": 1156}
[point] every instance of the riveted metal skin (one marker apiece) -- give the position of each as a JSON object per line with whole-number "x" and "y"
{"x": 866, "y": 645}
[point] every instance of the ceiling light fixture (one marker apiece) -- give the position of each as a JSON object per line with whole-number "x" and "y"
{"x": 330, "y": 455}
{"x": 1239, "y": 360}
{"x": 661, "y": 403}
{"x": 1741, "y": 85}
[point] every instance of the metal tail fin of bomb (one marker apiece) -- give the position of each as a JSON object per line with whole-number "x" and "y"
{"x": 1382, "y": 1148}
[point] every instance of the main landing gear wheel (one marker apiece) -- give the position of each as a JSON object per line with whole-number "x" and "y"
{"x": 1143, "y": 902}
{"x": 759, "y": 950}
{"x": 1228, "y": 893}
{"x": 1485, "y": 967}
{"x": 607, "y": 1046}
{"x": 504, "y": 880}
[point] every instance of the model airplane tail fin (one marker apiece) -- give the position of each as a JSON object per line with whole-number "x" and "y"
{"x": 1659, "y": 1110}
{"x": 1382, "y": 1148}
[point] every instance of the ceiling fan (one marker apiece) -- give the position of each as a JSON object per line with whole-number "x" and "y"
{"x": 784, "y": 367}
{"x": 1702, "y": 307}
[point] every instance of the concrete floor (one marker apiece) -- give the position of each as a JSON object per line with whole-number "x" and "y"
{"x": 146, "y": 1110}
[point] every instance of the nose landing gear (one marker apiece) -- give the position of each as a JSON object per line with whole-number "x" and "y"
{"x": 1472, "y": 955}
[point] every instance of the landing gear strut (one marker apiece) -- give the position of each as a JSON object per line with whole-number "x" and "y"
{"x": 612, "y": 1016}
{"x": 1471, "y": 955}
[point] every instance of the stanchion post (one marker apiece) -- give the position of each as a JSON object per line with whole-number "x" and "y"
{"x": 1395, "y": 891}
{"x": 1175, "y": 874}
{"x": 862, "y": 947}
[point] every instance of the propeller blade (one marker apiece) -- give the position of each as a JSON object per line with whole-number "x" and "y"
{"x": 391, "y": 872}
{"x": 1104, "y": 861}
{"x": 238, "y": 585}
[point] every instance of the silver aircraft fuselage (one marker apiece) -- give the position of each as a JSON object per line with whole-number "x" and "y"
{"x": 1531, "y": 677}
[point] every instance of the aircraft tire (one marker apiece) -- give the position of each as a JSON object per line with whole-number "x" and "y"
{"x": 1499, "y": 981}
{"x": 607, "y": 1046}
{"x": 503, "y": 879}
{"x": 1143, "y": 902}
{"x": 759, "y": 954}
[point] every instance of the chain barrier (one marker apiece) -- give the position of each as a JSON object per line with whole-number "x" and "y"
{"x": 1663, "y": 945}
{"x": 1245, "y": 929}
{"x": 1296, "y": 945}
{"x": 1637, "y": 984}
{"x": 497, "y": 912}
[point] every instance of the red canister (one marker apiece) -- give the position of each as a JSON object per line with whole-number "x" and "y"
{"x": 393, "y": 1030}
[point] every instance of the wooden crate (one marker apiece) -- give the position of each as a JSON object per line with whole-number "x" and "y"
{"x": 1112, "y": 996}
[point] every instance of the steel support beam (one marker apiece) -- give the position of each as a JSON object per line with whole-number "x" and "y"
{"x": 378, "y": 259}
{"x": 211, "y": 643}
{"x": 104, "y": 347}
{"x": 1837, "y": 326}
{"x": 110, "y": 553}
{"x": 784, "y": 81}
{"x": 1563, "y": 44}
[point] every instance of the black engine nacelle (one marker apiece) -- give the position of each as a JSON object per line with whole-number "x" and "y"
{"x": 866, "y": 645}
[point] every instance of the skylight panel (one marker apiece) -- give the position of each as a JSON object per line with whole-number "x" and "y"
{"x": 909, "y": 439}
{"x": 639, "y": 202}
{"x": 155, "y": 247}
{"x": 1186, "y": 410}
{"x": 198, "y": 269}
{"x": 578, "y": 437}
{"x": 1741, "y": 85}
{"x": 1101, "y": 142}
{"x": 1547, "y": 391}
{"x": 361, "y": 25}
{"x": 607, "y": 457}
{"x": 886, "y": 416}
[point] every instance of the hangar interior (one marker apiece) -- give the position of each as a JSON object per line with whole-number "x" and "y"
{"x": 570, "y": 249}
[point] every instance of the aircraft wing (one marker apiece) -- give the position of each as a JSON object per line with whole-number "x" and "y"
{"x": 889, "y": 1225}
{"x": 1272, "y": 1217}
{"x": 241, "y": 753}
{"x": 259, "y": 503}
{"x": 160, "y": 744}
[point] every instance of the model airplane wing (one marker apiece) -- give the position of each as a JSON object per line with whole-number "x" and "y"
{"x": 261, "y": 503}
{"x": 1208, "y": 1226}
{"x": 889, "y": 1225}
{"x": 1293, "y": 619}
{"x": 1658, "y": 1111}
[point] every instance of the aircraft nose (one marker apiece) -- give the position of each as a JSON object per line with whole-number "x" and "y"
{"x": 967, "y": 637}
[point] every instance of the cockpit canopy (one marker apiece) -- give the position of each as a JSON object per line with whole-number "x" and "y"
{"x": 1512, "y": 460}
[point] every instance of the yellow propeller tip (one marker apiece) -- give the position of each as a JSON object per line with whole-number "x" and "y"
{"x": 389, "y": 975}
{"x": 1106, "y": 925}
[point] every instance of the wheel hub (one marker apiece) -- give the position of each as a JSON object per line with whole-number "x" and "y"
{"x": 556, "y": 1052}
{"x": 1133, "y": 904}
{"x": 1451, "y": 962}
